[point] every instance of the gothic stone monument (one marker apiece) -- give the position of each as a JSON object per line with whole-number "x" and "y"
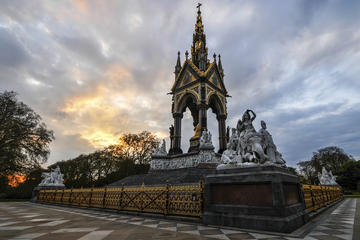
{"x": 247, "y": 184}
{"x": 199, "y": 85}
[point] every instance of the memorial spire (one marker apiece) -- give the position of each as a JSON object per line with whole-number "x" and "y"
{"x": 199, "y": 51}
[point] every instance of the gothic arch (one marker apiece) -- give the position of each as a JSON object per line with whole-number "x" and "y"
{"x": 216, "y": 105}
{"x": 186, "y": 100}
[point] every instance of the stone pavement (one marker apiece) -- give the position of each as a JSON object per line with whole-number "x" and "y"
{"x": 21, "y": 221}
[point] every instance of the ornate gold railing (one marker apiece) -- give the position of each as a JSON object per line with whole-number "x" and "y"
{"x": 318, "y": 196}
{"x": 168, "y": 199}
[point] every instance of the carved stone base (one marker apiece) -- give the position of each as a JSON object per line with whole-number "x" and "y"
{"x": 262, "y": 198}
{"x": 187, "y": 160}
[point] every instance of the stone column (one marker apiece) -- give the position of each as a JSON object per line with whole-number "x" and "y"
{"x": 222, "y": 132}
{"x": 203, "y": 117}
{"x": 177, "y": 133}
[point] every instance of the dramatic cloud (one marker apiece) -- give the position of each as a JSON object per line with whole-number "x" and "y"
{"x": 97, "y": 69}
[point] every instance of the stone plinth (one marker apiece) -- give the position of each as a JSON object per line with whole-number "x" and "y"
{"x": 37, "y": 189}
{"x": 263, "y": 198}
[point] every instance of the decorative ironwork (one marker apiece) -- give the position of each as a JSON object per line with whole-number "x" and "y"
{"x": 97, "y": 197}
{"x": 167, "y": 199}
{"x": 113, "y": 198}
{"x": 186, "y": 200}
{"x": 318, "y": 196}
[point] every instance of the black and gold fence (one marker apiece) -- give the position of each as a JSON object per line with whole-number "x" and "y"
{"x": 318, "y": 196}
{"x": 168, "y": 199}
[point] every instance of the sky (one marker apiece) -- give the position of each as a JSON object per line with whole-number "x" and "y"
{"x": 97, "y": 69}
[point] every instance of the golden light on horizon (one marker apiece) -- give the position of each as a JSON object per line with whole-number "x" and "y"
{"x": 15, "y": 180}
{"x": 100, "y": 139}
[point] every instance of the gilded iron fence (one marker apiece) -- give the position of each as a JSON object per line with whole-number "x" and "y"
{"x": 318, "y": 196}
{"x": 168, "y": 199}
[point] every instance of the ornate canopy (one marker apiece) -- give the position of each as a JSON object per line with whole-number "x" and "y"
{"x": 199, "y": 85}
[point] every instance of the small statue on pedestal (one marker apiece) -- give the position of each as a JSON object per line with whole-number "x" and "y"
{"x": 205, "y": 140}
{"x": 161, "y": 150}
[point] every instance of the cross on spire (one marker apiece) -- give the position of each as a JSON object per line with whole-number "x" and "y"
{"x": 198, "y": 6}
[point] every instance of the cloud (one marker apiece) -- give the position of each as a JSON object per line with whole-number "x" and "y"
{"x": 13, "y": 53}
{"x": 94, "y": 70}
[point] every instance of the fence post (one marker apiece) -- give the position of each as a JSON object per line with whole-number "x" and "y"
{"x": 104, "y": 199}
{"x": 201, "y": 198}
{"x": 91, "y": 194}
{"x": 71, "y": 193}
{"x": 166, "y": 210}
{"x": 54, "y": 196}
{"x": 121, "y": 196}
{"x": 62, "y": 196}
{"x": 312, "y": 197}
{"x": 141, "y": 200}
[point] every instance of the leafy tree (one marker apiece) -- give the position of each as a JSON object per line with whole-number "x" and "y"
{"x": 349, "y": 175}
{"x": 293, "y": 171}
{"x": 137, "y": 147}
{"x": 332, "y": 158}
{"x": 24, "y": 139}
{"x": 130, "y": 156}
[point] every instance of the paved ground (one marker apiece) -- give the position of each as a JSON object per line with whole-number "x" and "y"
{"x": 22, "y": 221}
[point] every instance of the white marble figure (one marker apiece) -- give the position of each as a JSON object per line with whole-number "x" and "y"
{"x": 54, "y": 178}
{"x": 249, "y": 148}
{"x": 161, "y": 150}
{"x": 269, "y": 146}
{"x": 327, "y": 178}
{"x": 250, "y": 141}
{"x": 230, "y": 156}
{"x": 205, "y": 140}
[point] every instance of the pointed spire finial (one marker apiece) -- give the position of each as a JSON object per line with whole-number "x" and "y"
{"x": 199, "y": 28}
{"x": 178, "y": 65}
{"x": 186, "y": 55}
{"x": 199, "y": 51}
{"x": 221, "y": 70}
{"x": 214, "y": 57}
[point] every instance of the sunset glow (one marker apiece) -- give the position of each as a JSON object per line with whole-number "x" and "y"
{"x": 93, "y": 78}
{"x": 15, "y": 180}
